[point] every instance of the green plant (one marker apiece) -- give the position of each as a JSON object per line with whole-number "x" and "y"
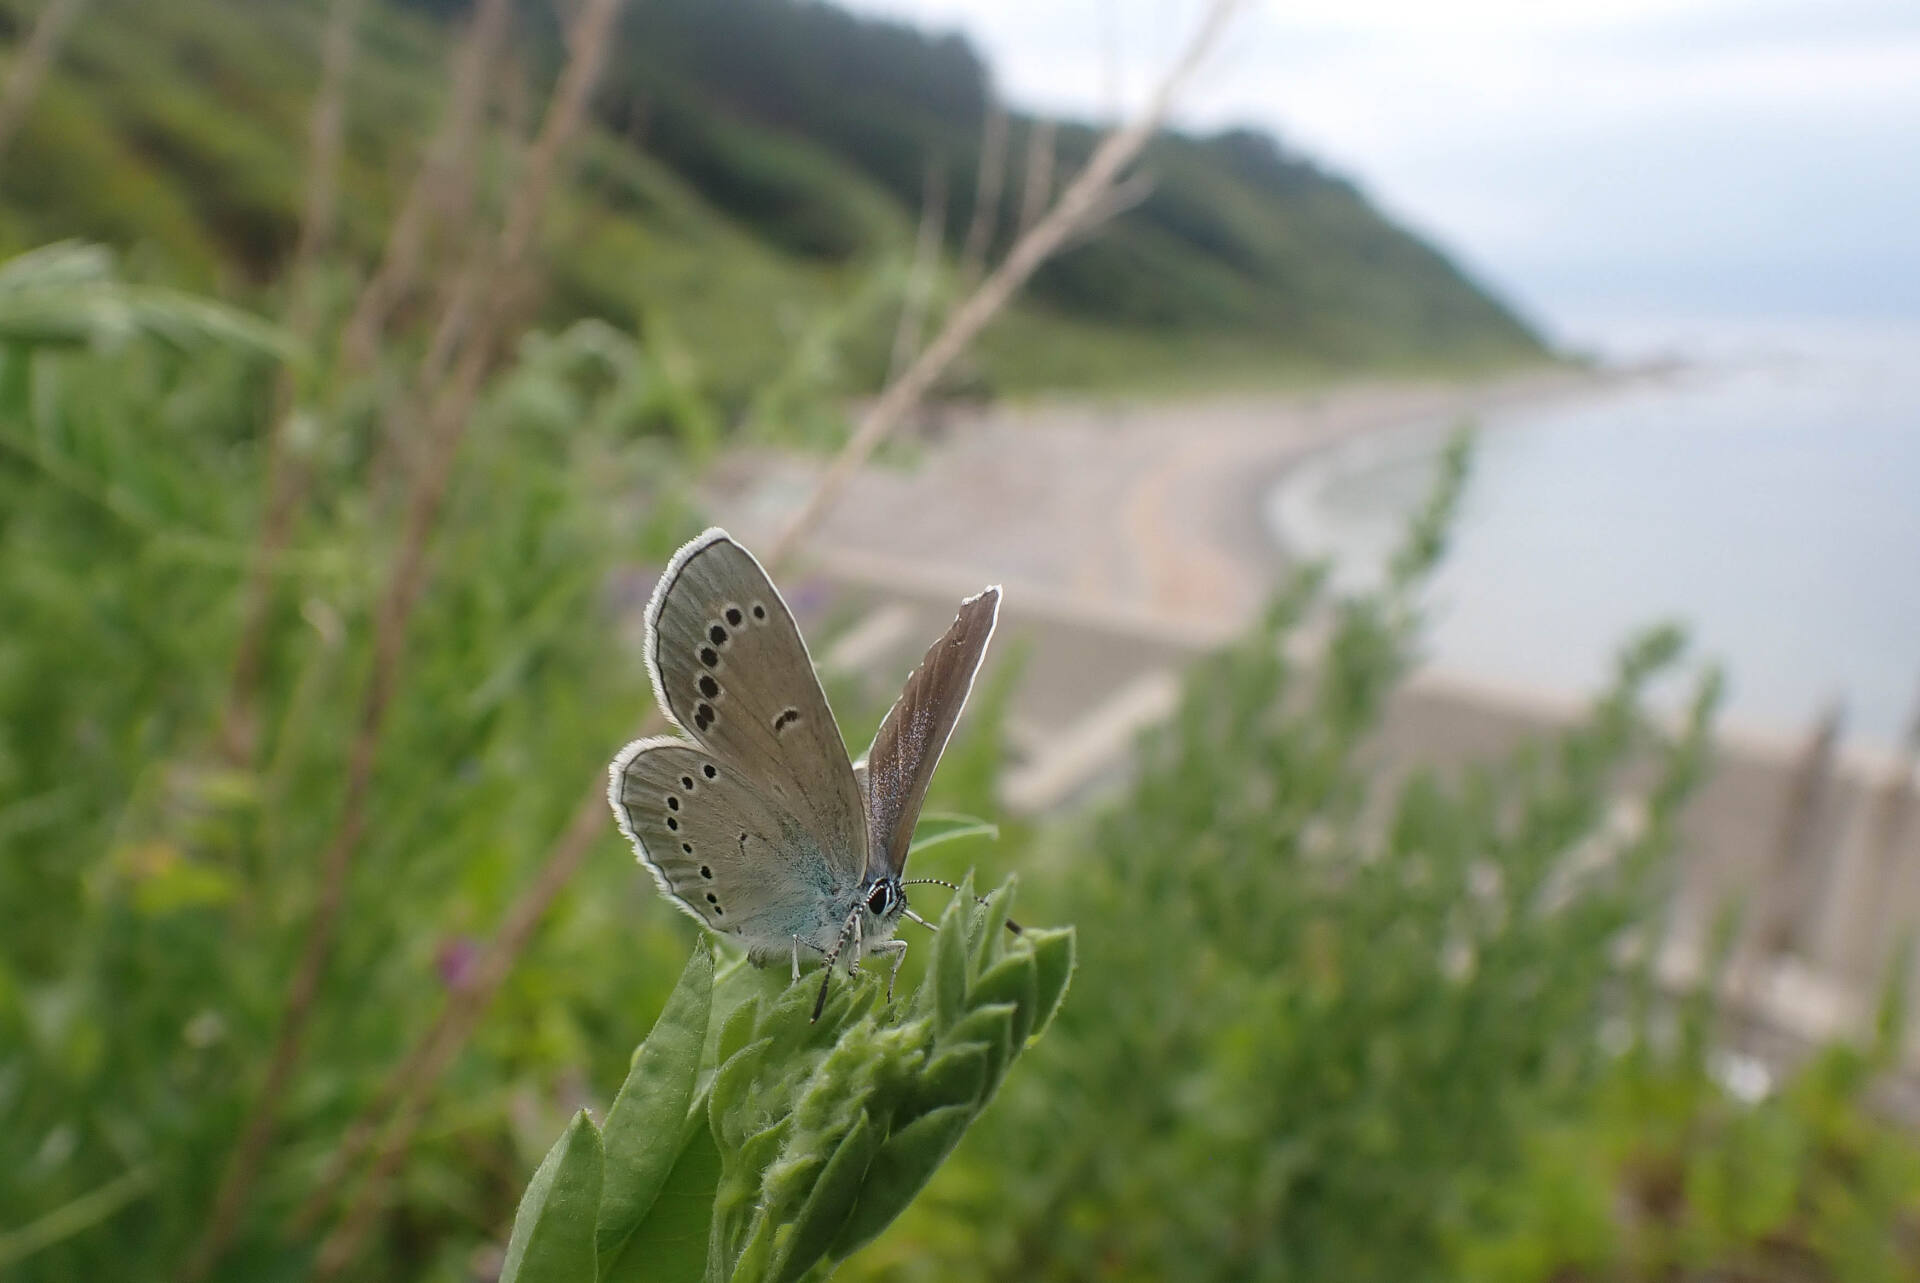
{"x": 1664, "y": 1171}
{"x": 150, "y": 890}
{"x": 752, "y": 1143}
{"x": 1318, "y": 1011}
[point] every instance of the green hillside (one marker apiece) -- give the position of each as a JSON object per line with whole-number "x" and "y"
{"x": 753, "y": 185}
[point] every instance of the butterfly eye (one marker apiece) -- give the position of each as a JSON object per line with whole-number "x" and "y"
{"x": 880, "y": 901}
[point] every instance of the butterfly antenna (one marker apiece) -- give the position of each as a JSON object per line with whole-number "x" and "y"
{"x": 1012, "y": 926}
{"x": 833, "y": 956}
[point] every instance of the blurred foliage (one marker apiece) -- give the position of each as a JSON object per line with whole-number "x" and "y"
{"x": 1323, "y": 1023}
{"x": 152, "y": 894}
{"x": 755, "y": 162}
{"x": 1687, "y": 1161}
{"x": 1327, "y": 1025}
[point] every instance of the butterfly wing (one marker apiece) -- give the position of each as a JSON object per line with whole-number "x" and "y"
{"x": 730, "y": 667}
{"x": 895, "y": 774}
{"x": 717, "y": 847}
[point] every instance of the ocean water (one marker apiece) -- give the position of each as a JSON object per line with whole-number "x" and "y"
{"x": 1765, "y": 492}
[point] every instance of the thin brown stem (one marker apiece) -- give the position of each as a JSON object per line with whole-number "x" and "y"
{"x": 414, "y": 1080}
{"x": 986, "y": 194}
{"x": 31, "y": 64}
{"x": 443, "y": 186}
{"x": 446, "y": 425}
{"x": 458, "y": 1018}
{"x": 1083, "y": 197}
{"x": 920, "y": 275}
{"x": 1036, "y": 186}
{"x": 286, "y": 475}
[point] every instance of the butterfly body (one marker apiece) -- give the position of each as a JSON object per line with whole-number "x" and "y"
{"x": 759, "y": 826}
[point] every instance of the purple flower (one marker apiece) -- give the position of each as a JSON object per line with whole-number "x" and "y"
{"x": 457, "y": 959}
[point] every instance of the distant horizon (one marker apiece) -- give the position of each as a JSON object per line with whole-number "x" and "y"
{"x": 1661, "y": 157}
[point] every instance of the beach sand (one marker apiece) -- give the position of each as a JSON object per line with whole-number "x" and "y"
{"x": 1134, "y": 511}
{"x": 1129, "y": 537}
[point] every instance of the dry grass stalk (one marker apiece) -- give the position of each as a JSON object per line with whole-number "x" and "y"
{"x": 1084, "y": 198}
{"x": 1036, "y": 188}
{"x": 414, "y": 1079}
{"x": 446, "y": 424}
{"x": 31, "y": 64}
{"x": 986, "y": 194}
{"x": 918, "y": 292}
{"x": 409, "y": 1091}
{"x": 286, "y": 478}
{"x": 443, "y": 187}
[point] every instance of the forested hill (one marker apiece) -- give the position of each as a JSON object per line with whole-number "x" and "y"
{"x": 758, "y": 164}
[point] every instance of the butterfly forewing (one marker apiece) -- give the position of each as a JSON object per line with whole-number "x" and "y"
{"x": 728, "y": 663}
{"x": 906, "y": 748}
{"x": 714, "y": 843}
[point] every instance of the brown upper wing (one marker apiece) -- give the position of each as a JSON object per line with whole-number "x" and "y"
{"x": 906, "y": 748}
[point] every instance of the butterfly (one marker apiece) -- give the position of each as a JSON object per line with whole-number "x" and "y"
{"x": 759, "y": 826}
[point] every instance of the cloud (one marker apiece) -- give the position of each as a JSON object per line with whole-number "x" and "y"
{"x": 1682, "y": 152}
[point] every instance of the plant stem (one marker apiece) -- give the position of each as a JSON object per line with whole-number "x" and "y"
{"x": 30, "y": 67}
{"x": 446, "y": 425}
{"x": 414, "y": 1079}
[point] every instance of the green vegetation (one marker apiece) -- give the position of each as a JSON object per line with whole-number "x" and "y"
{"x": 1323, "y": 1028}
{"x": 1319, "y": 1031}
{"x": 751, "y": 1142}
{"x": 153, "y": 894}
{"x": 1327, "y": 1031}
{"x": 756, "y": 164}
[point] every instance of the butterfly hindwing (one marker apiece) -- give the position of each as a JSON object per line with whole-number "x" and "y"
{"x": 729, "y": 665}
{"x": 727, "y": 855}
{"x": 893, "y": 778}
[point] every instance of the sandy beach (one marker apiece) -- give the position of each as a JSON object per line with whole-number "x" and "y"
{"x": 1131, "y": 512}
{"x": 1130, "y": 538}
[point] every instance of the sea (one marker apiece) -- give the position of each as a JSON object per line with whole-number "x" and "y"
{"x": 1757, "y": 482}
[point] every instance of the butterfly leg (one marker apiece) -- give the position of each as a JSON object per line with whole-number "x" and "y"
{"x": 853, "y": 959}
{"x": 796, "y": 957}
{"x": 852, "y": 928}
{"x": 898, "y": 948}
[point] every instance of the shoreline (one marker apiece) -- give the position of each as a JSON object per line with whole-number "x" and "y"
{"x": 1131, "y": 539}
{"x": 1141, "y": 512}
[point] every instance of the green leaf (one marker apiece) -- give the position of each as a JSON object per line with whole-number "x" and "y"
{"x": 1010, "y": 980}
{"x": 992, "y": 927}
{"x": 553, "y": 1232}
{"x": 737, "y": 1031}
{"x": 1053, "y": 963}
{"x": 830, "y": 1202}
{"x": 950, "y": 962}
{"x": 956, "y": 828}
{"x": 957, "y": 1076}
{"x": 671, "y": 1243}
{"x": 903, "y": 1165}
{"x": 645, "y": 1125}
{"x": 731, "y": 1086}
{"x": 993, "y": 1026}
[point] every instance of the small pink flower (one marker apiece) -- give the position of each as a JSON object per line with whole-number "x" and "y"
{"x": 456, "y": 960}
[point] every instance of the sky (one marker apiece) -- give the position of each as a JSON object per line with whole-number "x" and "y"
{"x": 1587, "y": 158}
